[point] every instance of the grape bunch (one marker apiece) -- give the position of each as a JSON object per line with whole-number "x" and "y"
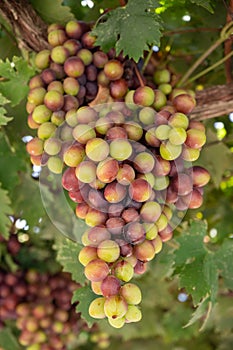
{"x": 125, "y": 157}
{"x": 40, "y": 305}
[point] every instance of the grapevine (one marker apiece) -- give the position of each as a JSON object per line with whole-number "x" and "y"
{"x": 124, "y": 146}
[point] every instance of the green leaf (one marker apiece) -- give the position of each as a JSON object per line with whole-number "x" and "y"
{"x": 16, "y": 74}
{"x": 206, "y": 4}
{"x": 67, "y": 256}
{"x": 8, "y": 340}
{"x": 224, "y": 262}
{"x": 194, "y": 264}
{"x": 52, "y": 11}
{"x": 199, "y": 312}
{"x": 84, "y": 297}
{"x": 5, "y": 211}
{"x": 27, "y": 202}
{"x": 3, "y": 119}
{"x": 131, "y": 29}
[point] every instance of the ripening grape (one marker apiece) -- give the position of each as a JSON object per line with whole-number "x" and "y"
{"x": 86, "y": 171}
{"x": 144, "y": 251}
{"x": 150, "y": 211}
{"x": 107, "y": 170}
{"x": 144, "y": 162}
{"x": 87, "y": 254}
{"x": 184, "y": 103}
{"x": 131, "y": 293}
{"x": 140, "y": 190}
{"x": 124, "y": 271}
{"x": 96, "y": 270}
{"x": 110, "y": 286}
{"x": 74, "y": 155}
{"x": 113, "y": 69}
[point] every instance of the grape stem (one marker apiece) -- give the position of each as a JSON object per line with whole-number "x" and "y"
{"x": 139, "y": 76}
{"x": 224, "y": 35}
{"x": 228, "y": 44}
{"x": 207, "y": 70}
{"x": 148, "y": 57}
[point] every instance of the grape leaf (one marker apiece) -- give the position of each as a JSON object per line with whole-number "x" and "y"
{"x": 52, "y": 11}
{"x": 206, "y": 4}
{"x": 16, "y": 75}
{"x": 84, "y": 297}
{"x": 199, "y": 312}
{"x": 131, "y": 29}
{"x": 67, "y": 256}
{"x": 11, "y": 158}
{"x": 8, "y": 340}
{"x": 3, "y": 119}
{"x": 223, "y": 259}
{"x": 194, "y": 264}
{"x": 5, "y": 211}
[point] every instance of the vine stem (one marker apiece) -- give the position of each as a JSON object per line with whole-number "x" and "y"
{"x": 225, "y": 33}
{"x": 141, "y": 82}
{"x": 207, "y": 70}
{"x": 148, "y": 57}
{"x": 228, "y": 45}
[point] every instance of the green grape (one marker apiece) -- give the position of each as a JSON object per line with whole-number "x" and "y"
{"x": 179, "y": 120}
{"x": 162, "y": 132}
{"x": 115, "y": 307}
{"x": 52, "y": 146}
{"x": 162, "y": 76}
{"x": 169, "y": 151}
{"x": 82, "y": 133}
{"x": 161, "y": 183}
{"x": 55, "y": 165}
{"x": 177, "y": 136}
{"x": 120, "y": 149}
{"x": 147, "y": 115}
{"x": 97, "y": 149}
{"x": 133, "y": 314}
{"x": 96, "y": 308}
{"x": 41, "y": 114}
{"x": 151, "y": 230}
{"x": 108, "y": 251}
{"x": 162, "y": 222}
{"x": 117, "y": 322}
{"x": 46, "y": 130}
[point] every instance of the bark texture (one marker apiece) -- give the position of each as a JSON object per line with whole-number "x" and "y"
{"x": 215, "y": 101}
{"x": 25, "y": 24}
